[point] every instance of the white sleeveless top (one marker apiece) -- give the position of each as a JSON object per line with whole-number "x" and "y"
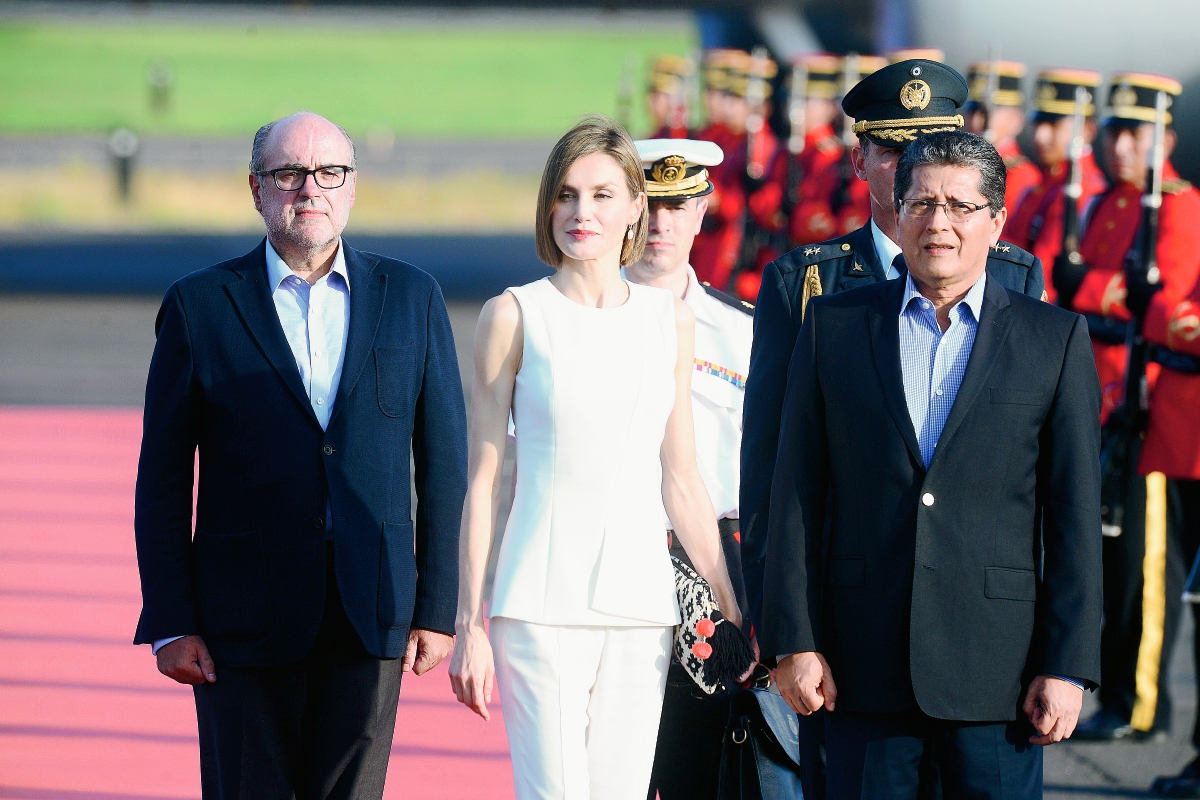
{"x": 585, "y": 543}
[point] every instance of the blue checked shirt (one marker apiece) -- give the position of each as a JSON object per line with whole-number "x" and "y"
{"x": 933, "y": 362}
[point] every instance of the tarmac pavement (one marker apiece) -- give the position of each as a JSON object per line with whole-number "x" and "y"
{"x": 94, "y": 351}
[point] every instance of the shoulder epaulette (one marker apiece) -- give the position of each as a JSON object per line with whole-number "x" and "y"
{"x": 824, "y": 251}
{"x": 1007, "y": 251}
{"x": 1177, "y": 186}
{"x": 1015, "y": 161}
{"x": 728, "y": 299}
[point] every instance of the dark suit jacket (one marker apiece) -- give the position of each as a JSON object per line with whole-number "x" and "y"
{"x": 844, "y": 263}
{"x": 951, "y": 588}
{"x": 223, "y": 381}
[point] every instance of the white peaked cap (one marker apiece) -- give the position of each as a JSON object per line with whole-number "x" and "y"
{"x": 704, "y": 154}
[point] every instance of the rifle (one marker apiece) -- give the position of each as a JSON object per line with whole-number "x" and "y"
{"x": 677, "y": 121}
{"x": 1074, "y": 189}
{"x": 1126, "y": 426}
{"x": 756, "y": 93}
{"x": 798, "y": 124}
{"x": 849, "y": 138}
{"x": 849, "y": 80}
{"x": 992, "y": 86}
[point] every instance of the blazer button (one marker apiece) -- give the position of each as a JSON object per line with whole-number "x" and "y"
{"x": 318, "y": 523}
{"x": 327, "y": 449}
{"x": 927, "y": 499}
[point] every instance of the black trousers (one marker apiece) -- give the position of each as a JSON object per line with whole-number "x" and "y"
{"x": 1144, "y": 572}
{"x": 321, "y": 728}
{"x": 687, "y": 757}
{"x": 879, "y": 757}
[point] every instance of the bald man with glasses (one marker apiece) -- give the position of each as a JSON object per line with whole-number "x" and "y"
{"x": 301, "y": 376}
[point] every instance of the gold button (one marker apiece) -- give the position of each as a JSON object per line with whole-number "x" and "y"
{"x": 1110, "y": 225}
{"x": 845, "y": 246}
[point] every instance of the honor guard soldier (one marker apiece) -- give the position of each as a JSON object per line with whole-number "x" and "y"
{"x": 1172, "y": 450}
{"x": 852, "y": 200}
{"x": 1037, "y": 223}
{"x": 677, "y": 188}
{"x": 1143, "y": 560}
{"x": 891, "y": 108}
{"x": 719, "y": 244}
{"x": 1096, "y": 287}
{"x": 815, "y": 172}
{"x": 765, "y": 181}
{"x": 667, "y": 96}
{"x": 995, "y": 110}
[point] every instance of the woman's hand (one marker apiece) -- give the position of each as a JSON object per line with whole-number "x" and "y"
{"x": 473, "y": 670}
{"x": 726, "y": 600}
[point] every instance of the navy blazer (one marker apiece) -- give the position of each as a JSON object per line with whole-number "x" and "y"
{"x": 223, "y": 382}
{"x": 847, "y": 262}
{"x": 947, "y": 588}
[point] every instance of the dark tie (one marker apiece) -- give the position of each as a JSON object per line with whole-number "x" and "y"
{"x": 899, "y": 265}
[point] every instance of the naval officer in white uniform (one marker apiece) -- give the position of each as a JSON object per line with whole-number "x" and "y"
{"x": 677, "y": 185}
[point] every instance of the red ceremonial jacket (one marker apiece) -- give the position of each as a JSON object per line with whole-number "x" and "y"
{"x": 1111, "y": 232}
{"x": 1036, "y": 223}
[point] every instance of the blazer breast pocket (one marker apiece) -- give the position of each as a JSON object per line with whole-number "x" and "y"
{"x": 395, "y": 379}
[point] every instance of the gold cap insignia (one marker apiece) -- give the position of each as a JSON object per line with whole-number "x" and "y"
{"x": 1047, "y": 94}
{"x": 669, "y": 170}
{"x": 1123, "y": 95}
{"x": 915, "y": 94}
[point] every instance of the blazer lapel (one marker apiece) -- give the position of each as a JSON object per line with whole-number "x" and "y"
{"x": 885, "y": 345}
{"x": 367, "y": 291}
{"x": 251, "y": 297}
{"x": 989, "y": 342}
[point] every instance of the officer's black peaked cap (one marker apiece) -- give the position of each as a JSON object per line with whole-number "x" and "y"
{"x": 896, "y": 104}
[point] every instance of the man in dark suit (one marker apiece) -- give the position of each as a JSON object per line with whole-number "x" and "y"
{"x": 303, "y": 373}
{"x": 933, "y": 565}
{"x": 891, "y": 107}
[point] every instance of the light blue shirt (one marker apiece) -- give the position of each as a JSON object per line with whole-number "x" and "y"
{"x": 933, "y": 362}
{"x": 316, "y": 322}
{"x": 887, "y": 250}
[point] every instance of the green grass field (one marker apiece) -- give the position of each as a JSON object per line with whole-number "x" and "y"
{"x": 504, "y": 82}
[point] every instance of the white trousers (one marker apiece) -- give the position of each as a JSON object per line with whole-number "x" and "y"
{"x": 581, "y": 707}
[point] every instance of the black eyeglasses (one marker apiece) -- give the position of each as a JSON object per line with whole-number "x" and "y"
{"x": 290, "y": 179}
{"x": 956, "y": 210}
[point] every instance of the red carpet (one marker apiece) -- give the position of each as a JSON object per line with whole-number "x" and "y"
{"x": 84, "y": 715}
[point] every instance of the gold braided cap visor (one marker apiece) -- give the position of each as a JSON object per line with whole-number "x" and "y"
{"x": 1065, "y": 108}
{"x": 1136, "y": 113}
{"x": 691, "y": 186}
{"x": 907, "y": 130}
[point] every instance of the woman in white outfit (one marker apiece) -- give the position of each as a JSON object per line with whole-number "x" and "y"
{"x": 597, "y": 374}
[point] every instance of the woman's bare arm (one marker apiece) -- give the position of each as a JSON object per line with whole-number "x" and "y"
{"x": 687, "y": 502}
{"x": 498, "y": 346}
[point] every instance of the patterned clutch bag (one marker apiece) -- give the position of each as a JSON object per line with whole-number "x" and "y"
{"x": 713, "y": 651}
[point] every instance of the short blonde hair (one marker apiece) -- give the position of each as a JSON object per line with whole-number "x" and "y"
{"x": 592, "y": 134}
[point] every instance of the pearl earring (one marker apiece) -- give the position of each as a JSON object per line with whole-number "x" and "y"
{"x": 629, "y": 233}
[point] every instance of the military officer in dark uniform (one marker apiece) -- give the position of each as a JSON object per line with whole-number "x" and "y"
{"x": 891, "y": 108}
